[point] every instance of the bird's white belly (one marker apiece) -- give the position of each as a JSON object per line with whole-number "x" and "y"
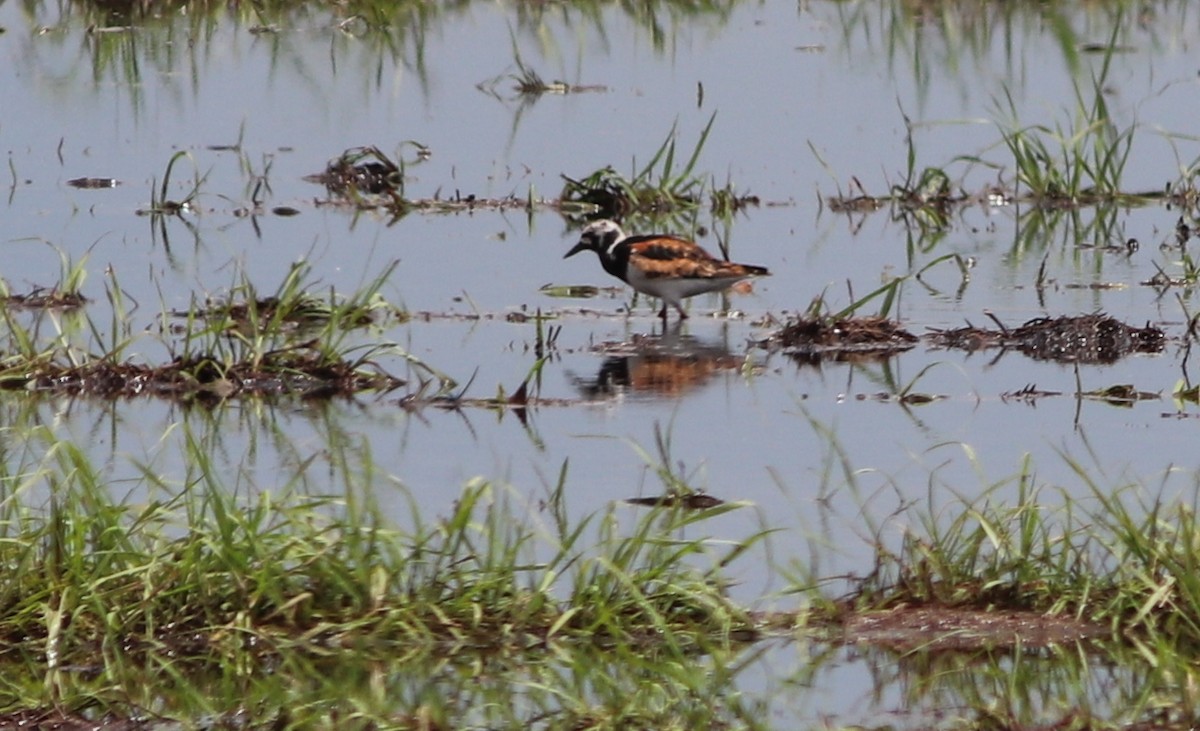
{"x": 674, "y": 290}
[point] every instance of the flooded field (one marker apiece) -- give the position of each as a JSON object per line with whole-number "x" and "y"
{"x": 286, "y": 284}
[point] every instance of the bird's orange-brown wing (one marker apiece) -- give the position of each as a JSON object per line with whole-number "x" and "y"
{"x": 675, "y": 258}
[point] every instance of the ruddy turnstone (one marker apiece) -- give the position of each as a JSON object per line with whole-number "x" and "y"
{"x": 659, "y": 265}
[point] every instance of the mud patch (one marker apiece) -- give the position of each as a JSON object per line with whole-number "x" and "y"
{"x": 949, "y": 629}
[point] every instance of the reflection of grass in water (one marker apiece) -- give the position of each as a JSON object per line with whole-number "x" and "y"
{"x": 160, "y": 202}
{"x": 959, "y": 38}
{"x": 124, "y": 47}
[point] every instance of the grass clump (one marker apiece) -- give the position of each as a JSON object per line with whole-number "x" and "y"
{"x": 1068, "y": 168}
{"x": 160, "y": 202}
{"x": 67, "y": 294}
{"x": 292, "y": 342}
{"x": 204, "y": 601}
{"x": 1115, "y": 559}
{"x": 657, "y": 190}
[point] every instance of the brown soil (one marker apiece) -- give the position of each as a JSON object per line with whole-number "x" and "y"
{"x": 944, "y": 628}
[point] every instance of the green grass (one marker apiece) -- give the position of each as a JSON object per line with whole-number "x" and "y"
{"x": 662, "y": 193}
{"x": 1123, "y": 556}
{"x": 297, "y": 340}
{"x": 161, "y": 204}
{"x": 299, "y": 604}
{"x": 1078, "y": 164}
{"x": 225, "y": 595}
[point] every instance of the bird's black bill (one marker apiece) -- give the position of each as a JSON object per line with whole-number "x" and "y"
{"x": 577, "y": 248}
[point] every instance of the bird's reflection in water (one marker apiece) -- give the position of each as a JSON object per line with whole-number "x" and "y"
{"x": 670, "y": 364}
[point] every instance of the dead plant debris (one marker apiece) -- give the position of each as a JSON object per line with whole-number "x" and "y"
{"x": 1093, "y": 338}
{"x": 51, "y": 719}
{"x": 693, "y": 501}
{"x": 1029, "y": 394}
{"x": 294, "y": 372}
{"x": 934, "y": 628}
{"x": 93, "y": 183}
{"x": 45, "y": 299}
{"x": 933, "y": 199}
{"x": 852, "y": 334}
{"x": 361, "y": 171}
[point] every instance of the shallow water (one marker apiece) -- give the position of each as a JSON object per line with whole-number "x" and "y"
{"x": 807, "y": 101}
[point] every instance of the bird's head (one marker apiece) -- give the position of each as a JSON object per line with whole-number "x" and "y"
{"x": 597, "y": 236}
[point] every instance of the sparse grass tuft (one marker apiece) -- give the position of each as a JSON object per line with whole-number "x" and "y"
{"x": 292, "y": 342}
{"x": 1080, "y": 165}
{"x": 160, "y": 203}
{"x": 67, "y": 294}
{"x": 658, "y": 190}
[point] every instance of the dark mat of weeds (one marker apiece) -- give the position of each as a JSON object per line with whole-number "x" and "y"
{"x": 850, "y": 334}
{"x": 689, "y": 501}
{"x": 361, "y": 171}
{"x": 1093, "y": 338}
{"x": 365, "y": 178}
{"x": 93, "y": 183}
{"x": 291, "y": 373}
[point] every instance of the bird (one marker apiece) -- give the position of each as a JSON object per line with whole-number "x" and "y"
{"x": 660, "y": 265}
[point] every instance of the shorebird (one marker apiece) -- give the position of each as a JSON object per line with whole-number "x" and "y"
{"x": 660, "y": 265}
